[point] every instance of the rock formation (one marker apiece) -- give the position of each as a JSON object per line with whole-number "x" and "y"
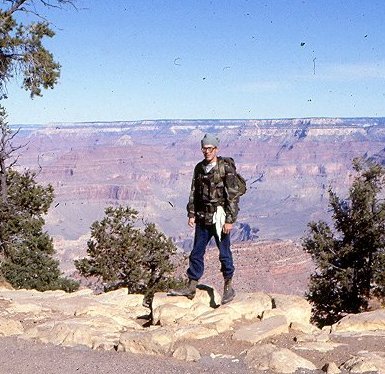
{"x": 265, "y": 332}
{"x": 288, "y": 164}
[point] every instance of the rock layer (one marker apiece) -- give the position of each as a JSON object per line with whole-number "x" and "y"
{"x": 288, "y": 165}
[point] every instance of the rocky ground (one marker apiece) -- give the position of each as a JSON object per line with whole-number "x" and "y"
{"x": 219, "y": 355}
{"x": 265, "y": 329}
{"x": 84, "y": 333}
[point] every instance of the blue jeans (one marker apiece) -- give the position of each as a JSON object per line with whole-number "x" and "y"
{"x": 203, "y": 234}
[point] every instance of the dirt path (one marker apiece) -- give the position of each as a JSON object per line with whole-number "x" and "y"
{"x": 26, "y": 357}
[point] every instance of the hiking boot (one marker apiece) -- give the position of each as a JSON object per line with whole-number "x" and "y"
{"x": 188, "y": 291}
{"x": 228, "y": 292}
{"x": 147, "y": 301}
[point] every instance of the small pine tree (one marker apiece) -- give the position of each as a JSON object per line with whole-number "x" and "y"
{"x": 120, "y": 254}
{"x": 350, "y": 260}
{"x": 26, "y": 250}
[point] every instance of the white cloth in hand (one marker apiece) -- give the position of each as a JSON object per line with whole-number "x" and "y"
{"x": 219, "y": 219}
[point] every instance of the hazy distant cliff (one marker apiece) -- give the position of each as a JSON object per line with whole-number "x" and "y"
{"x": 289, "y": 164}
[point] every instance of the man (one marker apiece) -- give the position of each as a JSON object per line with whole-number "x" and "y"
{"x": 212, "y": 209}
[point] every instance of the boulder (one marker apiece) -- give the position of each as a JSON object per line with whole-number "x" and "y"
{"x": 320, "y": 337}
{"x": 331, "y": 368}
{"x": 294, "y": 308}
{"x": 362, "y": 322}
{"x": 170, "y": 314}
{"x": 220, "y": 321}
{"x": 273, "y": 359}
{"x": 366, "y": 361}
{"x": 10, "y": 327}
{"x": 169, "y": 310}
{"x": 306, "y": 328}
{"x": 187, "y": 353}
{"x": 248, "y": 306}
{"x": 155, "y": 341}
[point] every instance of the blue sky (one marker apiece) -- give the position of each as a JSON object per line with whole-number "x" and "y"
{"x": 225, "y": 59}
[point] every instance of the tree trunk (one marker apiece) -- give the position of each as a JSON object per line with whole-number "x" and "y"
{"x": 3, "y": 179}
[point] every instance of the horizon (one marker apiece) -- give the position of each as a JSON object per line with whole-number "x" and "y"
{"x": 194, "y": 120}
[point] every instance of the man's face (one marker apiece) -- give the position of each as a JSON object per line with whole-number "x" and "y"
{"x": 210, "y": 153}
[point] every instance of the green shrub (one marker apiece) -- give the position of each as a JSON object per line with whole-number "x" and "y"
{"x": 123, "y": 254}
{"x": 349, "y": 259}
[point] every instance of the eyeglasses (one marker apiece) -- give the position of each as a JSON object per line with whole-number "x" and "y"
{"x": 208, "y": 149}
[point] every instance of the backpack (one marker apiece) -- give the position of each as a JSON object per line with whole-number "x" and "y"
{"x": 241, "y": 182}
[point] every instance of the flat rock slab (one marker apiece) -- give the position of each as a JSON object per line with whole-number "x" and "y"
{"x": 317, "y": 346}
{"x": 366, "y": 361}
{"x": 258, "y": 331}
{"x": 367, "y": 321}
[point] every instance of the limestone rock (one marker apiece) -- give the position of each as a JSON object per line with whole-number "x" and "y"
{"x": 196, "y": 310}
{"x": 294, "y": 308}
{"x": 216, "y": 319}
{"x": 317, "y": 346}
{"x": 169, "y": 310}
{"x": 187, "y": 353}
{"x": 110, "y": 321}
{"x": 93, "y": 332}
{"x": 35, "y": 311}
{"x": 79, "y": 293}
{"x": 274, "y": 359}
{"x": 195, "y": 332}
{"x": 169, "y": 314}
{"x": 10, "y": 327}
{"x": 317, "y": 337}
{"x": 39, "y": 304}
{"x": 5, "y": 285}
{"x": 367, "y": 321}
{"x": 307, "y": 328}
{"x": 120, "y": 297}
{"x": 204, "y": 295}
{"x": 261, "y": 330}
{"x": 366, "y": 361}
{"x": 331, "y": 368}
{"x": 153, "y": 341}
{"x": 123, "y": 316}
{"x": 248, "y": 305}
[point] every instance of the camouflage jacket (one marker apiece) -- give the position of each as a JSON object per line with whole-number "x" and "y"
{"x": 208, "y": 190}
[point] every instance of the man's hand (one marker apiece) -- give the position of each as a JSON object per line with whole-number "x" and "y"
{"x": 227, "y": 227}
{"x": 191, "y": 221}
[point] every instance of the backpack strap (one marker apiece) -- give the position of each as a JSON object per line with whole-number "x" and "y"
{"x": 221, "y": 167}
{"x": 222, "y": 173}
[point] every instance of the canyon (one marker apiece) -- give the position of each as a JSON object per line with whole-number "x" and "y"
{"x": 289, "y": 165}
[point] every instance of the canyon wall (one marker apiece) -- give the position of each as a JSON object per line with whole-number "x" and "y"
{"x": 289, "y": 165}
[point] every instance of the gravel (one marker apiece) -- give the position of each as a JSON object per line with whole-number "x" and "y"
{"x": 26, "y": 357}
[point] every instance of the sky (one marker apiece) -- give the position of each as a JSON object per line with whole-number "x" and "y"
{"x": 127, "y": 60}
